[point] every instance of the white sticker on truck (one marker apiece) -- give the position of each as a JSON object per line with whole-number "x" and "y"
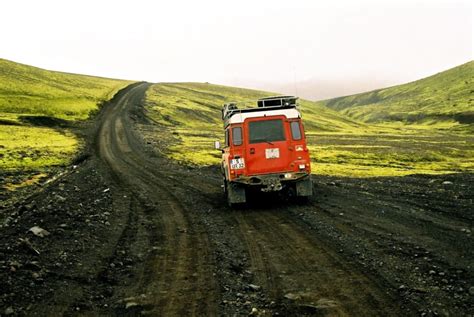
{"x": 237, "y": 164}
{"x": 272, "y": 153}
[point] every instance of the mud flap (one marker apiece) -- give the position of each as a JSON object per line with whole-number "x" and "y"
{"x": 304, "y": 188}
{"x": 235, "y": 194}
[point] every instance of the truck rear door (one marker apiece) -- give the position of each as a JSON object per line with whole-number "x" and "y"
{"x": 267, "y": 145}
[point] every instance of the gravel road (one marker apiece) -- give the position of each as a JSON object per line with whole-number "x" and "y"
{"x": 128, "y": 232}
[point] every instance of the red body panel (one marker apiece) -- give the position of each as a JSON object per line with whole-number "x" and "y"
{"x": 261, "y": 158}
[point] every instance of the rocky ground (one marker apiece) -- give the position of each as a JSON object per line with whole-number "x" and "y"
{"x": 127, "y": 232}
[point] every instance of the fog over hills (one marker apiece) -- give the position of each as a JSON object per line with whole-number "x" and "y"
{"x": 318, "y": 89}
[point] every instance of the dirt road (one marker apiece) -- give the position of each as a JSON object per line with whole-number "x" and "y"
{"x": 132, "y": 233}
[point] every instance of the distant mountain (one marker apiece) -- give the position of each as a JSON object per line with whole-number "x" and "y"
{"x": 446, "y": 96}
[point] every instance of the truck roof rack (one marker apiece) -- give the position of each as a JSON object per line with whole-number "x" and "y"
{"x": 277, "y": 101}
{"x": 267, "y": 103}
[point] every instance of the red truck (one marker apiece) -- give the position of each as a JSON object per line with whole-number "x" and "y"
{"x": 265, "y": 150}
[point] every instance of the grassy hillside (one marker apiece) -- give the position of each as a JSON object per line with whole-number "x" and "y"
{"x": 446, "y": 98}
{"x": 35, "y": 91}
{"x": 35, "y": 108}
{"x": 193, "y": 112}
{"x": 339, "y": 146}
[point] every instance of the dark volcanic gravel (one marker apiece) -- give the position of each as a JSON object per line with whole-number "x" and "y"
{"x": 127, "y": 232}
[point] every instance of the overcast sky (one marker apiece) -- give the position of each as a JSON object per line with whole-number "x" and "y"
{"x": 240, "y": 42}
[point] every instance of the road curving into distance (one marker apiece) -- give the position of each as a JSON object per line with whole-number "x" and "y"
{"x": 133, "y": 233}
{"x": 289, "y": 266}
{"x": 177, "y": 276}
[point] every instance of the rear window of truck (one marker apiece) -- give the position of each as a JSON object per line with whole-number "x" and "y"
{"x": 237, "y": 136}
{"x": 266, "y": 131}
{"x": 295, "y": 130}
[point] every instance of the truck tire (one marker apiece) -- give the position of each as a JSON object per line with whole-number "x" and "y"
{"x": 304, "y": 188}
{"x": 225, "y": 187}
{"x": 235, "y": 194}
{"x": 226, "y": 194}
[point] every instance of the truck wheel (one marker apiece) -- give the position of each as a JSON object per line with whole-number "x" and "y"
{"x": 225, "y": 187}
{"x": 304, "y": 188}
{"x": 227, "y": 196}
{"x": 235, "y": 195}
{"x": 226, "y": 192}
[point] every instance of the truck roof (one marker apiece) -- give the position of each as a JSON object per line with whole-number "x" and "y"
{"x": 239, "y": 117}
{"x": 268, "y": 106}
{"x": 277, "y": 101}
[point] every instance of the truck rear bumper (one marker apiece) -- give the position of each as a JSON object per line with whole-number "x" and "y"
{"x": 276, "y": 182}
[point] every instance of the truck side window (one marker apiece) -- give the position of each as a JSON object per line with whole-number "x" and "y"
{"x": 295, "y": 130}
{"x": 227, "y": 137}
{"x": 237, "y": 136}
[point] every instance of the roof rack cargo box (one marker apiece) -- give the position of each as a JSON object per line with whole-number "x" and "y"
{"x": 277, "y": 101}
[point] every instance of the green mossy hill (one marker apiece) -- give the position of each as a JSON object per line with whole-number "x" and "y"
{"x": 34, "y": 91}
{"x": 447, "y": 97}
{"x": 190, "y": 113}
{"x": 198, "y": 105}
{"x": 36, "y": 107}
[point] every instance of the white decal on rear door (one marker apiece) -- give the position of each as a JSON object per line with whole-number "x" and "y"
{"x": 272, "y": 153}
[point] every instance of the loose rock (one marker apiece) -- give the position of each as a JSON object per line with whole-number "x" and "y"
{"x": 39, "y": 232}
{"x": 254, "y": 287}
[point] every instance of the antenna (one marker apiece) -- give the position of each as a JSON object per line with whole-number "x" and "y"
{"x": 294, "y": 81}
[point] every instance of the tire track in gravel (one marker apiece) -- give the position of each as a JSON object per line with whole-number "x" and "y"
{"x": 288, "y": 259}
{"x": 294, "y": 267}
{"x": 304, "y": 270}
{"x": 177, "y": 277}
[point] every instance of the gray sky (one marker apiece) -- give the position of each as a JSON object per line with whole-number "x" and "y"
{"x": 248, "y": 43}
